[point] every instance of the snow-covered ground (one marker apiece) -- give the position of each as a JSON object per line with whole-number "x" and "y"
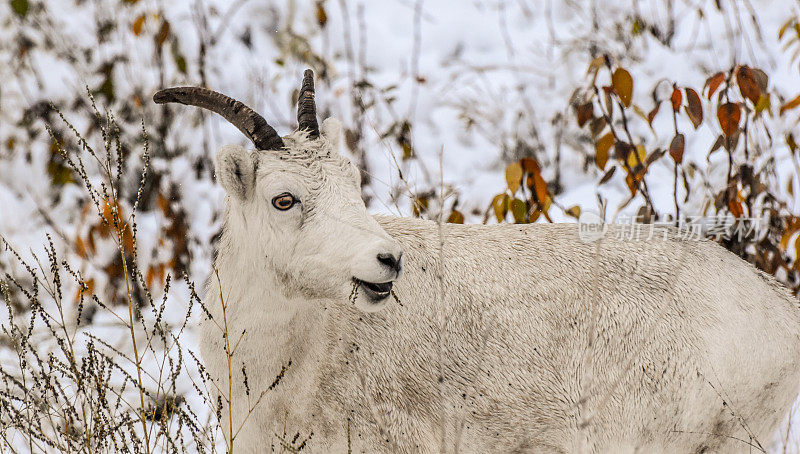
{"x": 476, "y": 80}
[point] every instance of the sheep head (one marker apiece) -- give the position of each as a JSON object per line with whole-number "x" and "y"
{"x": 295, "y": 202}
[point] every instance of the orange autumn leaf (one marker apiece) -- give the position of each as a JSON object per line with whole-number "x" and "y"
{"x": 747, "y": 84}
{"x": 455, "y": 217}
{"x": 790, "y": 105}
{"x": 729, "y": 115}
{"x": 713, "y": 83}
{"x": 138, "y": 24}
{"x": 676, "y": 98}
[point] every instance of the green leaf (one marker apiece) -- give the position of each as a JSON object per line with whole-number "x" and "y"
{"x": 59, "y": 173}
{"x": 177, "y": 56}
{"x": 518, "y": 209}
{"x": 20, "y": 7}
{"x": 637, "y": 27}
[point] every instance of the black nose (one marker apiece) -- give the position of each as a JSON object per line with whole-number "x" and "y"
{"x": 391, "y": 261}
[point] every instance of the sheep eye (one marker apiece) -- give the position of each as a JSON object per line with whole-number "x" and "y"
{"x": 283, "y": 201}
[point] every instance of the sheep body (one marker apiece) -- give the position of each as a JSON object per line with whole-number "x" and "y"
{"x": 549, "y": 344}
{"x": 505, "y": 338}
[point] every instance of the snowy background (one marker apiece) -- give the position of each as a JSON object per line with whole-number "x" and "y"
{"x": 428, "y": 91}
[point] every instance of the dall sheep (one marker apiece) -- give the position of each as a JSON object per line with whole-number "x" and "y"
{"x": 501, "y": 338}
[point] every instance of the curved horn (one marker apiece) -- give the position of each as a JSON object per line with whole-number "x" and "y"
{"x": 306, "y": 107}
{"x": 244, "y": 118}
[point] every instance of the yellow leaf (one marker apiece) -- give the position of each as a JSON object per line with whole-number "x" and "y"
{"x": 322, "y": 16}
{"x": 595, "y": 65}
{"x": 622, "y": 82}
{"x": 514, "y": 176}
{"x": 500, "y": 205}
{"x": 420, "y": 205}
{"x": 574, "y": 211}
{"x": 783, "y": 28}
{"x": 547, "y": 202}
{"x": 784, "y": 243}
{"x": 634, "y": 159}
{"x": 601, "y": 147}
{"x": 764, "y": 103}
{"x": 640, "y": 112}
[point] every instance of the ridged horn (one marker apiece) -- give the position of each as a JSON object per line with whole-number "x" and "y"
{"x": 306, "y": 107}
{"x": 244, "y": 118}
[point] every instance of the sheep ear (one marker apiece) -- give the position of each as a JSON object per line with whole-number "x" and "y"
{"x": 332, "y": 131}
{"x": 236, "y": 171}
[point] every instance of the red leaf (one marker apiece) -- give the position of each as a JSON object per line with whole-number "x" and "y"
{"x": 729, "y": 115}
{"x": 608, "y": 175}
{"x": 747, "y": 84}
{"x": 163, "y": 33}
{"x": 530, "y": 165}
{"x": 714, "y": 82}
{"x": 652, "y": 115}
{"x": 676, "y": 148}
{"x": 584, "y": 112}
{"x": 676, "y": 98}
{"x": 736, "y": 208}
{"x": 694, "y": 108}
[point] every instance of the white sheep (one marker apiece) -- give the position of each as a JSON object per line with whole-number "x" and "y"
{"x": 502, "y": 338}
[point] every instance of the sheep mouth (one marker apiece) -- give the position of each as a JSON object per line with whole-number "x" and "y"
{"x": 376, "y": 291}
